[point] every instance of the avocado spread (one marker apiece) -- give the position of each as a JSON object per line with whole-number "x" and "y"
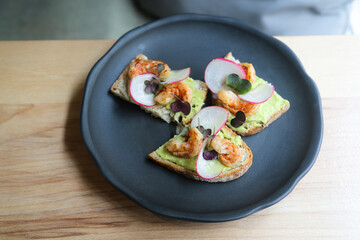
{"x": 264, "y": 112}
{"x": 197, "y": 101}
{"x": 189, "y": 163}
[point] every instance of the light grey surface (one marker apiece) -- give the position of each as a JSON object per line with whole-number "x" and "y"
{"x": 280, "y": 17}
{"x": 68, "y": 19}
{"x": 85, "y": 19}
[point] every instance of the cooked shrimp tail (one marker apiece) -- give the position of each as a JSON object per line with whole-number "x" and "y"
{"x": 249, "y": 71}
{"x": 188, "y": 148}
{"x": 229, "y": 153}
{"x": 179, "y": 89}
{"x": 233, "y": 103}
{"x": 140, "y": 66}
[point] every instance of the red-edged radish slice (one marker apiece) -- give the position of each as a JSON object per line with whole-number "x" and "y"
{"x": 207, "y": 169}
{"x": 177, "y": 75}
{"x": 213, "y": 117}
{"x": 137, "y": 90}
{"x": 216, "y": 72}
{"x": 258, "y": 95}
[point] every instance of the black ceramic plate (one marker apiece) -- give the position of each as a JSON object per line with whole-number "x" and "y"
{"x": 119, "y": 135}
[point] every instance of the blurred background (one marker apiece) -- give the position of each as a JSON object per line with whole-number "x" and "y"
{"x": 109, "y": 19}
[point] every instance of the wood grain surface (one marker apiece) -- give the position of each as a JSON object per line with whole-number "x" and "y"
{"x": 51, "y": 188}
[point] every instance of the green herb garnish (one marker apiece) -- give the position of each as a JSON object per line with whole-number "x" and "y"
{"x": 241, "y": 86}
{"x": 160, "y": 68}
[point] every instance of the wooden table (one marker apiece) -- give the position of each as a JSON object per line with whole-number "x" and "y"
{"x": 51, "y": 188}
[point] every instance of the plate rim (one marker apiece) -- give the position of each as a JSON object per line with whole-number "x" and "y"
{"x": 273, "y": 198}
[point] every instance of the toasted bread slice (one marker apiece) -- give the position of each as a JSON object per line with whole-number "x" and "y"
{"x": 274, "y": 108}
{"x": 121, "y": 89}
{"x": 227, "y": 175}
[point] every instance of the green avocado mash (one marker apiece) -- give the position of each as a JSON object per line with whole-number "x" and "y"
{"x": 189, "y": 163}
{"x": 264, "y": 112}
{"x": 197, "y": 101}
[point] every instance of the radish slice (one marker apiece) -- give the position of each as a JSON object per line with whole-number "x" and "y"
{"x": 216, "y": 72}
{"x": 259, "y": 95}
{"x": 177, "y": 75}
{"x": 207, "y": 169}
{"x": 137, "y": 90}
{"x": 213, "y": 117}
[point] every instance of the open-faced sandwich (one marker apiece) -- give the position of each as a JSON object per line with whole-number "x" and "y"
{"x": 207, "y": 151}
{"x": 168, "y": 94}
{"x": 252, "y": 102}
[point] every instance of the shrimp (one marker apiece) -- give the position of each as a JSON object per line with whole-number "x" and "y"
{"x": 179, "y": 89}
{"x": 249, "y": 71}
{"x": 233, "y": 103}
{"x": 190, "y": 147}
{"x": 229, "y": 153}
{"x": 140, "y": 66}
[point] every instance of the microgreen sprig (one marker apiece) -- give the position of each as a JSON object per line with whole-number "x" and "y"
{"x": 180, "y": 106}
